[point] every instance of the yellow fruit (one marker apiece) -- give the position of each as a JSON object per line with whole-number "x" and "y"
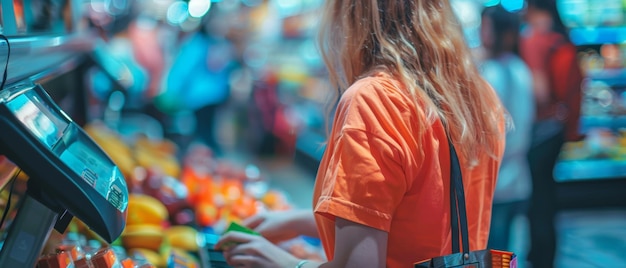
{"x": 151, "y": 256}
{"x": 141, "y": 227}
{"x": 183, "y": 237}
{"x": 165, "y": 146}
{"x": 143, "y": 236}
{"x": 113, "y": 145}
{"x": 167, "y": 163}
{"x": 170, "y": 167}
{"x": 145, "y": 209}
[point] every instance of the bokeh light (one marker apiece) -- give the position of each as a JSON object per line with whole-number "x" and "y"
{"x": 177, "y": 12}
{"x": 198, "y": 8}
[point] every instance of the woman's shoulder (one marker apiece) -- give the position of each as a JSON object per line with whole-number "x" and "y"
{"x": 373, "y": 99}
{"x": 378, "y": 94}
{"x": 371, "y": 82}
{"x": 379, "y": 86}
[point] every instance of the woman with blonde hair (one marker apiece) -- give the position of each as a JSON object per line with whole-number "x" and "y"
{"x": 407, "y": 85}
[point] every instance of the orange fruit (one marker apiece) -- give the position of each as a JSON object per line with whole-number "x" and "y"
{"x": 206, "y": 214}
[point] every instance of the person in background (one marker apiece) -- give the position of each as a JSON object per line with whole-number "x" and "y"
{"x": 143, "y": 33}
{"x": 407, "y": 84}
{"x": 198, "y": 79}
{"x": 557, "y": 78}
{"x": 512, "y": 80}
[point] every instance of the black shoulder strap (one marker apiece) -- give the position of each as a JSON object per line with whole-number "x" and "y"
{"x": 458, "y": 211}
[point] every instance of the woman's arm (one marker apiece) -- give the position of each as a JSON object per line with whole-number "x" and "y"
{"x": 277, "y": 226}
{"x": 356, "y": 245}
{"x": 305, "y": 222}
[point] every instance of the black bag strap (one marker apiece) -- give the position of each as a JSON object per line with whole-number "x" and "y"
{"x": 458, "y": 211}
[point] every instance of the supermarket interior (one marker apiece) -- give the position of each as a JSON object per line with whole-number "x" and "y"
{"x": 134, "y": 133}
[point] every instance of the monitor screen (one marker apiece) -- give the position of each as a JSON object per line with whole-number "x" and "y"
{"x": 38, "y": 117}
{"x": 94, "y": 167}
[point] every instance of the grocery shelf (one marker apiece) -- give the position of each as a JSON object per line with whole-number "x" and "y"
{"x": 597, "y": 35}
{"x": 589, "y": 169}
{"x": 612, "y": 77}
{"x": 611, "y": 122}
{"x": 590, "y": 184}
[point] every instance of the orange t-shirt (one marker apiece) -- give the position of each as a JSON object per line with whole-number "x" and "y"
{"x": 373, "y": 173}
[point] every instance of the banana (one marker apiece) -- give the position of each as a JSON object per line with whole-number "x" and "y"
{"x": 152, "y": 158}
{"x": 145, "y": 236}
{"x": 145, "y": 209}
{"x": 183, "y": 237}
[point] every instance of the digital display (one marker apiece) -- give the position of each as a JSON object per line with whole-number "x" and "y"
{"x": 38, "y": 118}
{"x": 94, "y": 168}
{"x": 67, "y": 141}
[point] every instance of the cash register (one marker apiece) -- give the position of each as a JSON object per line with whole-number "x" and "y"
{"x": 69, "y": 175}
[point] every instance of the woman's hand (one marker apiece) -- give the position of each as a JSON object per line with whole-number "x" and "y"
{"x": 279, "y": 226}
{"x": 246, "y": 250}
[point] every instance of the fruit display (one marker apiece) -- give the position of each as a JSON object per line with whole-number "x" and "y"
{"x": 113, "y": 146}
{"x": 157, "y": 155}
{"x": 172, "y": 206}
{"x": 143, "y": 152}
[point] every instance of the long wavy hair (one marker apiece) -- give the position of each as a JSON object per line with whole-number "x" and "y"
{"x": 420, "y": 42}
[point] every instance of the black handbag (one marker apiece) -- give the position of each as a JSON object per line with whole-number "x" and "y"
{"x": 486, "y": 258}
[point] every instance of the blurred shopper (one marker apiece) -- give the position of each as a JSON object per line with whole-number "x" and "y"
{"x": 148, "y": 50}
{"x": 198, "y": 80}
{"x": 512, "y": 80}
{"x": 557, "y": 79}
{"x": 117, "y": 61}
{"x": 407, "y": 82}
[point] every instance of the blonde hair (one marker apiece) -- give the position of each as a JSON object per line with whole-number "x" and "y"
{"x": 421, "y": 43}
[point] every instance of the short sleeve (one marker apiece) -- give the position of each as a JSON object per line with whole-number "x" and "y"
{"x": 364, "y": 182}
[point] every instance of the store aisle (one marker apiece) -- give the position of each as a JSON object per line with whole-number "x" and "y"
{"x": 282, "y": 173}
{"x": 291, "y": 178}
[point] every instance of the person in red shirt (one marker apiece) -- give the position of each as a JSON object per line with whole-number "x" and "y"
{"x": 407, "y": 82}
{"x": 557, "y": 81}
{"x": 553, "y": 61}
